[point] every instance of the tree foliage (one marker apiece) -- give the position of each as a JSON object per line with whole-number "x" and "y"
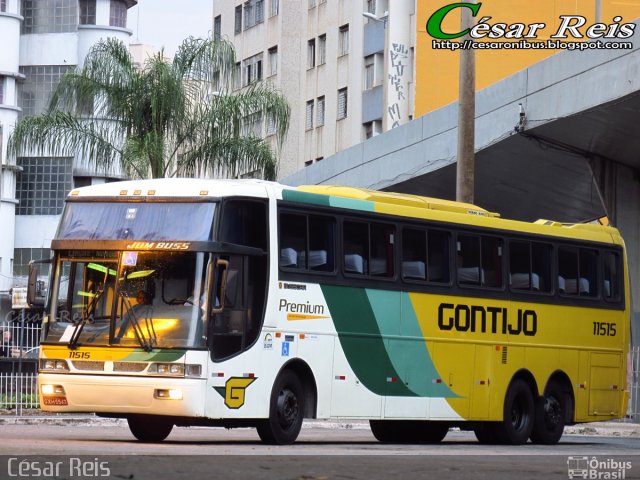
{"x": 167, "y": 118}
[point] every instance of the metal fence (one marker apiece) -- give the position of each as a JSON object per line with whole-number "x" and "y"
{"x": 20, "y": 339}
{"x": 18, "y": 392}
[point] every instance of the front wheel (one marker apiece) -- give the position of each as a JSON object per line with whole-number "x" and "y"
{"x": 550, "y": 414}
{"x": 149, "y": 428}
{"x": 286, "y": 411}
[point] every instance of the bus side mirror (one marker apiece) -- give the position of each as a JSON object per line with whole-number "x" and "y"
{"x": 35, "y": 298}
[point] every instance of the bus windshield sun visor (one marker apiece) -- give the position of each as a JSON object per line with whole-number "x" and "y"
{"x": 139, "y": 221}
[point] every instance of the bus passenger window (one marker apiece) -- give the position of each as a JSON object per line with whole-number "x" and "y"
{"x": 293, "y": 240}
{"x": 381, "y": 264}
{"x": 530, "y": 266}
{"x": 479, "y": 261}
{"x": 414, "y": 252}
{"x": 611, "y": 287}
{"x": 438, "y": 256}
{"x": 356, "y": 247}
{"x": 578, "y": 272}
{"x": 321, "y": 243}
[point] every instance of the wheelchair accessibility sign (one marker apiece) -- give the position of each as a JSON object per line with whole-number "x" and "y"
{"x": 285, "y": 349}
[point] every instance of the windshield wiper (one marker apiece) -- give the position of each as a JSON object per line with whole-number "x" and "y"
{"x": 145, "y": 343}
{"x": 75, "y": 336}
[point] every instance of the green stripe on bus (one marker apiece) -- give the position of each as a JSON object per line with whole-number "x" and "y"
{"x": 405, "y": 345}
{"x": 327, "y": 200}
{"x": 364, "y": 348}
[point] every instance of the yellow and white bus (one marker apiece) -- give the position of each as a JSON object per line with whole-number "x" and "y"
{"x": 253, "y": 304}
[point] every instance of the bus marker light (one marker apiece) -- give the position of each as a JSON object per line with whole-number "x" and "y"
{"x": 75, "y": 193}
{"x": 278, "y": 334}
{"x": 340, "y": 377}
{"x": 204, "y": 192}
{"x": 614, "y": 387}
{"x": 137, "y": 192}
{"x": 580, "y": 385}
{"x": 217, "y": 374}
{"x": 123, "y": 192}
{"x": 497, "y": 348}
{"x": 436, "y": 380}
{"x": 194, "y": 370}
{"x": 392, "y": 379}
{"x": 302, "y": 336}
{"x": 249, "y": 375}
{"x": 480, "y": 382}
{"x": 151, "y": 192}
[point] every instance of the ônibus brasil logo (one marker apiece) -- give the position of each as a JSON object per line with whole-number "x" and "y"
{"x": 524, "y": 35}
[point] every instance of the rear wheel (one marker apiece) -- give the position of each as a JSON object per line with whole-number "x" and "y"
{"x": 551, "y": 408}
{"x": 149, "y": 428}
{"x": 518, "y": 415}
{"x": 286, "y": 411}
{"x": 485, "y": 433}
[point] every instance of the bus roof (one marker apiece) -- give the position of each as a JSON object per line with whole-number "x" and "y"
{"x": 405, "y": 205}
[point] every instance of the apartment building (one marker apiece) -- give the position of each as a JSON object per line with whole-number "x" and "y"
{"x": 345, "y": 67}
{"x": 41, "y": 40}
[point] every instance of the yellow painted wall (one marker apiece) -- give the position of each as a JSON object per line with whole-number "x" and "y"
{"x": 437, "y": 70}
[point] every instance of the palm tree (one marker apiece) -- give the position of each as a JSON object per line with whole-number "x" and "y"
{"x": 168, "y": 118}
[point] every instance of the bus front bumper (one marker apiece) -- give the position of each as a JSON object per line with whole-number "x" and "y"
{"x": 183, "y": 397}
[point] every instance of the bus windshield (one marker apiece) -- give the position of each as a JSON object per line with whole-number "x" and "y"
{"x": 130, "y": 298}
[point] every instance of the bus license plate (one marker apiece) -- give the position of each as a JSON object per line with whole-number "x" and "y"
{"x": 54, "y": 400}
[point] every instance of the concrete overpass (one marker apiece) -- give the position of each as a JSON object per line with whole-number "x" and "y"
{"x": 577, "y": 159}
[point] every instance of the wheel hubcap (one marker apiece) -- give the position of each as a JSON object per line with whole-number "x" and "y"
{"x": 552, "y": 412}
{"x": 288, "y": 408}
{"x": 518, "y": 414}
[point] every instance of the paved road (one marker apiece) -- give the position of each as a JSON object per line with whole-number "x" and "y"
{"x": 323, "y": 452}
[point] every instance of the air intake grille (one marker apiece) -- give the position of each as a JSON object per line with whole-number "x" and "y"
{"x": 91, "y": 365}
{"x": 504, "y": 355}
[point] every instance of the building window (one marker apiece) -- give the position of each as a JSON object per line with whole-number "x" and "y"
{"x": 369, "y": 72}
{"x": 253, "y": 13}
{"x": 49, "y": 16}
{"x": 237, "y": 76}
{"x": 22, "y": 257}
{"x": 320, "y": 112}
{"x": 118, "y": 14}
{"x": 311, "y": 53}
{"x": 87, "y": 12}
{"x": 344, "y": 39}
{"x": 273, "y": 61}
{"x": 34, "y": 91}
{"x": 371, "y": 129}
{"x": 271, "y": 126}
{"x": 252, "y": 69}
{"x": 309, "y": 116}
{"x": 322, "y": 49}
{"x": 217, "y": 27}
{"x": 371, "y": 6}
{"x": 275, "y": 6}
{"x": 3, "y": 5}
{"x": 342, "y": 103}
{"x": 1, "y": 91}
{"x": 252, "y": 125}
{"x": 43, "y": 184}
{"x": 238, "y": 20}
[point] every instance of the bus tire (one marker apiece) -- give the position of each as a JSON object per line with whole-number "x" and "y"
{"x": 383, "y": 431}
{"x": 286, "y": 411}
{"x": 548, "y": 425}
{"x": 518, "y": 415}
{"x": 433, "y": 432}
{"x": 150, "y": 429}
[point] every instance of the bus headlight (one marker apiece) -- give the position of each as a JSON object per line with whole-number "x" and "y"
{"x": 53, "y": 365}
{"x": 170, "y": 369}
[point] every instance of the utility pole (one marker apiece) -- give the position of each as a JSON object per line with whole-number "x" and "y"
{"x": 598, "y": 11}
{"x": 465, "y": 171}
